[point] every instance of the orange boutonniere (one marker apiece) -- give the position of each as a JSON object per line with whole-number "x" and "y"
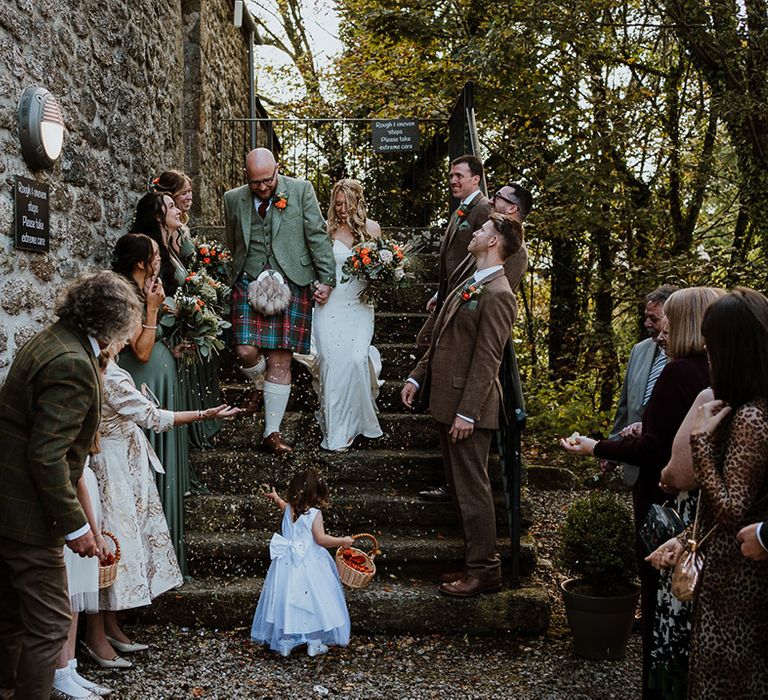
{"x": 280, "y": 200}
{"x": 461, "y": 212}
{"x": 470, "y": 291}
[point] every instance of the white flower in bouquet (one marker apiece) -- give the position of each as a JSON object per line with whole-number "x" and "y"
{"x": 399, "y": 273}
{"x": 386, "y": 256}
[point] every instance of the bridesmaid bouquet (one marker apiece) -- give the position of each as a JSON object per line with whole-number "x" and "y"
{"x": 214, "y": 258}
{"x": 383, "y": 264}
{"x": 196, "y": 318}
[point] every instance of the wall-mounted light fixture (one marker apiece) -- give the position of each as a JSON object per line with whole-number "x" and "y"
{"x": 41, "y": 128}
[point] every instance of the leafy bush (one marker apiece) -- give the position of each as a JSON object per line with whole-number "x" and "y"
{"x": 597, "y": 544}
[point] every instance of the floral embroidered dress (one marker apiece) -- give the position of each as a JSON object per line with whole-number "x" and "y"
{"x": 131, "y": 507}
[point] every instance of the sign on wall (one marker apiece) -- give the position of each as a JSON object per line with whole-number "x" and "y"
{"x": 395, "y": 135}
{"x": 32, "y": 223}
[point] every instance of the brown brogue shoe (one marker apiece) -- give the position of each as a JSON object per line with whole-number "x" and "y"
{"x": 275, "y": 444}
{"x": 451, "y": 576}
{"x": 468, "y": 586}
{"x": 253, "y": 402}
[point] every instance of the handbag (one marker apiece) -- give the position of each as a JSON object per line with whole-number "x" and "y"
{"x": 662, "y": 523}
{"x": 686, "y": 576}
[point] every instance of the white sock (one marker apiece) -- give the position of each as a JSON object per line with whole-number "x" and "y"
{"x": 275, "y": 402}
{"x": 82, "y": 682}
{"x": 256, "y": 373}
{"x": 64, "y": 683}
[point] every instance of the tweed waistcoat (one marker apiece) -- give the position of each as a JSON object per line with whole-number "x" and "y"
{"x": 261, "y": 234}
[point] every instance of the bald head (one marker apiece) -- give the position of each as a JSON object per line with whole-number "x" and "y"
{"x": 261, "y": 170}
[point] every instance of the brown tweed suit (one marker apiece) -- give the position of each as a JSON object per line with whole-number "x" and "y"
{"x": 460, "y": 375}
{"x": 453, "y": 250}
{"x": 50, "y": 408}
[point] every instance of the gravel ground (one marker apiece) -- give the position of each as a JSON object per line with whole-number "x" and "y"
{"x": 186, "y": 663}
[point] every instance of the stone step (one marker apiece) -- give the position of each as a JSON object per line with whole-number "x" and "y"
{"x": 303, "y": 398}
{"x": 385, "y": 606}
{"x": 240, "y": 472}
{"x": 352, "y": 510}
{"x": 247, "y": 554}
{"x": 397, "y": 360}
{"x": 397, "y": 326}
{"x": 401, "y": 431}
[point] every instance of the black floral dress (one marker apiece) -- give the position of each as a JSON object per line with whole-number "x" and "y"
{"x": 672, "y": 624}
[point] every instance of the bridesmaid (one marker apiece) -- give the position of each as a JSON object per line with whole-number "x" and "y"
{"x": 199, "y": 381}
{"x": 343, "y": 330}
{"x": 146, "y": 263}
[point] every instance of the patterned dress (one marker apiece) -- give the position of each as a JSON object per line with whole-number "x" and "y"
{"x": 672, "y": 624}
{"x": 131, "y": 507}
{"x": 730, "y": 621}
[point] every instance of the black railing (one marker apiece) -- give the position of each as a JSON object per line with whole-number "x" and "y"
{"x": 401, "y": 189}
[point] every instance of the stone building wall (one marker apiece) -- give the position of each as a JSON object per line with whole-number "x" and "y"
{"x": 119, "y": 72}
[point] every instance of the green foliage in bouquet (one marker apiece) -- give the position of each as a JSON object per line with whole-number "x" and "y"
{"x": 597, "y": 545}
{"x": 197, "y": 316}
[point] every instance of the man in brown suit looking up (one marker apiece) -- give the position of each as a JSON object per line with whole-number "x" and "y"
{"x": 50, "y": 407}
{"x": 459, "y": 377}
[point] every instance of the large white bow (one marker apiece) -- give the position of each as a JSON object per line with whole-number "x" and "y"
{"x": 279, "y": 547}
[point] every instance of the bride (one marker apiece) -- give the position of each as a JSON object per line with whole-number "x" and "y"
{"x": 342, "y": 330}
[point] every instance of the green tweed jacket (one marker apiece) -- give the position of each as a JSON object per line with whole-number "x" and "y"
{"x": 50, "y": 408}
{"x": 300, "y": 243}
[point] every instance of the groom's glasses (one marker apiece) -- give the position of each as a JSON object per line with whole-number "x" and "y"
{"x": 498, "y": 195}
{"x": 266, "y": 181}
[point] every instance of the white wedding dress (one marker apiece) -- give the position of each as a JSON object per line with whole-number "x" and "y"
{"x": 347, "y": 365}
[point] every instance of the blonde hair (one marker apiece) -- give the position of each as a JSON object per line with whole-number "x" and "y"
{"x": 357, "y": 215}
{"x": 685, "y": 311}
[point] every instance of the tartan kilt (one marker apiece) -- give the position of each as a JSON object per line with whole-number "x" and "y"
{"x": 290, "y": 330}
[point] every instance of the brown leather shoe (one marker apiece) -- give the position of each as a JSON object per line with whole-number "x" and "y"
{"x": 468, "y": 586}
{"x": 253, "y": 402}
{"x": 452, "y": 576}
{"x": 275, "y": 444}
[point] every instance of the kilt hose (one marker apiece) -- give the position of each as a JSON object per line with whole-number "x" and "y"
{"x": 290, "y": 330}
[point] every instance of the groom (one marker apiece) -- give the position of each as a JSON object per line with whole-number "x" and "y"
{"x": 459, "y": 377}
{"x": 274, "y": 222}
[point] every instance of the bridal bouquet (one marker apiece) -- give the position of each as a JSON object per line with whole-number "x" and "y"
{"x": 383, "y": 264}
{"x": 196, "y": 315}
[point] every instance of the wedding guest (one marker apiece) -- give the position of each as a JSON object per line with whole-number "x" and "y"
{"x": 200, "y": 379}
{"x": 49, "y": 414}
{"x": 729, "y": 446}
{"x": 342, "y": 331}
{"x": 83, "y": 585}
{"x": 150, "y": 362}
{"x": 302, "y": 570}
{"x": 683, "y": 377}
{"x": 131, "y": 506}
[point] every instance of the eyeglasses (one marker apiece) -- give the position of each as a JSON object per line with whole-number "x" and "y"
{"x": 266, "y": 181}
{"x": 498, "y": 195}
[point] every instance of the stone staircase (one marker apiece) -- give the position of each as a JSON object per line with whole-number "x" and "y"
{"x": 374, "y": 489}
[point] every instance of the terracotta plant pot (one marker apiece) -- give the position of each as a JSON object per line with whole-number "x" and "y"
{"x": 600, "y": 626}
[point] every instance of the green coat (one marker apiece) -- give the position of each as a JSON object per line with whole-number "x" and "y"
{"x": 50, "y": 407}
{"x": 300, "y": 243}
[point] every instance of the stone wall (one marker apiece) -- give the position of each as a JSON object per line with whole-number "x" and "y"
{"x": 216, "y": 88}
{"x": 119, "y": 71}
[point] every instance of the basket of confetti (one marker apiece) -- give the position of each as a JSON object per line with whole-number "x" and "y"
{"x": 108, "y": 565}
{"x": 356, "y": 567}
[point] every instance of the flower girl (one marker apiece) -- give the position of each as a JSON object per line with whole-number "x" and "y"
{"x": 302, "y": 601}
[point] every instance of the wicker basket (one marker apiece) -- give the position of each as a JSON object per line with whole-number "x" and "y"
{"x": 350, "y": 576}
{"x": 108, "y": 572}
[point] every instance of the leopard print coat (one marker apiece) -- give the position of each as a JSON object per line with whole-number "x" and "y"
{"x": 729, "y": 639}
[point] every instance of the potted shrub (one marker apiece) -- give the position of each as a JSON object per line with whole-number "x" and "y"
{"x": 597, "y": 549}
